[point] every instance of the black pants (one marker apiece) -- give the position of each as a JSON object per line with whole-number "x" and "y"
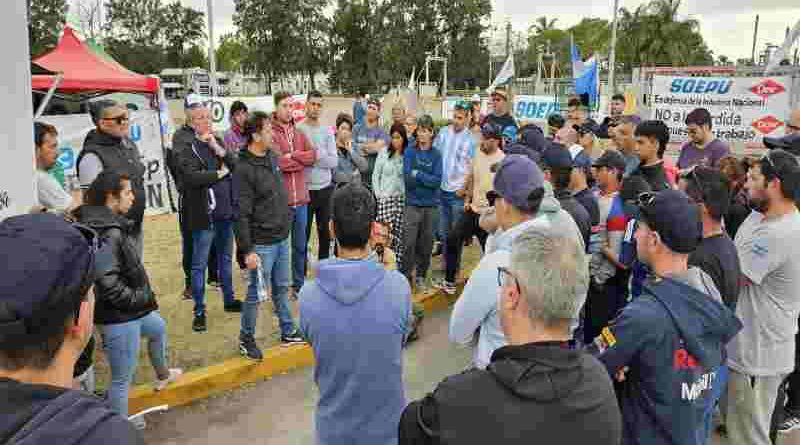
{"x": 793, "y": 389}
{"x": 465, "y": 228}
{"x": 320, "y": 207}
{"x": 603, "y": 303}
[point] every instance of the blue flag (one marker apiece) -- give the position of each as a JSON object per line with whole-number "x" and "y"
{"x": 586, "y": 75}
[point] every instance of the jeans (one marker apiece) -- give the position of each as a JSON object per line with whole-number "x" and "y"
{"x": 186, "y": 253}
{"x": 418, "y": 234}
{"x": 451, "y": 208}
{"x": 465, "y": 228}
{"x": 720, "y": 384}
{"x": 299, "y": 245}
{"x": 121, "y": 343}
{"x": 275, "y": 264}
{"x": 320, "y": 207}
{"x": 221, "y": 233}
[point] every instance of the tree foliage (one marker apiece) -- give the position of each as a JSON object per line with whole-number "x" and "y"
{"x": 46, "y": 21}
{"x": 147, "y": 35}
{"x": 231, "y": 53}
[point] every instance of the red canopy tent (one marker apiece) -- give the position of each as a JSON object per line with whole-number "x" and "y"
{"x": 83, "y": 70}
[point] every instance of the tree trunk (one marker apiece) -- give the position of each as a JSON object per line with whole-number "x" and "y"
{"x": 311, "y": 83}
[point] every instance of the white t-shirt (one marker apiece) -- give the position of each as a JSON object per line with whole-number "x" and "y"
{"x": 50, "y": 193}
{"x": 769, "y": 306}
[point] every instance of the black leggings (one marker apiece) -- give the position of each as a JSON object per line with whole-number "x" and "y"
{"x": 465, "y": 228}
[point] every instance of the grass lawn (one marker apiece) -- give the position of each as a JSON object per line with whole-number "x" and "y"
{"x": 190, "y": 350}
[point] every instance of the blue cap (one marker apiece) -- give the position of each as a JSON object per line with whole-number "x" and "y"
{"x": 675, "y": 218}
{"x": 557, "y": 156}
{"x": 516, "y": 177}
{"x": 49, "y": 266}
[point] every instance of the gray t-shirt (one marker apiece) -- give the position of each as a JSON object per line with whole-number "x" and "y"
{"x": 89, "y": 168}
{"x": 769, "y": 305}
{"x": 50, "y": 193}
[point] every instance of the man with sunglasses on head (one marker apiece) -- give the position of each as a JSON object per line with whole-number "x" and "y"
{"x": 108, "y": 147}
{"x": 46, "y": 320}
{"x": 665, "y": 346}
{"x": 763, "y": 354}
{"x": 791, "y": 140}
{"x": 501, "y": 115}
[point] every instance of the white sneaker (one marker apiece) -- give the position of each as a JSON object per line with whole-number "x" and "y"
{"x": 174, "y": 373}
{"x": 139, "y": 423}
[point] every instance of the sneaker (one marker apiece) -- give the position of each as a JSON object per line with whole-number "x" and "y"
{"x": 249, "y": 348}
{"x": 437, "y": 249}
{"x": 187, "y": 293}
{"x": 213, "y": 283}
{"x": 174, "y": 373}
{"x": 293, "y": 338}
{"x": 790, "y": 423}
{"x": 139, "y": 423}
{"x": 199, "y": 323}
{"x": 421, "y": 286}
{"x": 236, "y": 306}
{"x": 446, "y": 287}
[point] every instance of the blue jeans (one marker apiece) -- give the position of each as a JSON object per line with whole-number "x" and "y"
{"x": 299, "y": 245}
{"x": 221, "y": 234}
{"x": 451, "y": 209}
{"x": 121, "y": 343}
{"x": 719, "y": 386}
{"x": 275, "y": 263}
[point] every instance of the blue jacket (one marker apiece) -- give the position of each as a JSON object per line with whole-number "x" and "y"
{"x": 422, "y": 171}
{"x": 356, "y": 328}
{"x": 672, "y": 338}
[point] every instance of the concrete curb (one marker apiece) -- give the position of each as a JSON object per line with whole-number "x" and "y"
{"x": 233, "y": 373}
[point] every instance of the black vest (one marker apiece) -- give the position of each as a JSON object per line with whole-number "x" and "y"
{"x": 121, "y": 156}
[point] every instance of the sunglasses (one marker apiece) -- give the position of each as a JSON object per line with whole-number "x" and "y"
{"x": 646, "y": 199}
{"x": 504, "y": 277}
{"x": 119, "y": 119}
{"x": 793, "y": 127}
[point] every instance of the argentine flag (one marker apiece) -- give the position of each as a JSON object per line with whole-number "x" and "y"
{"x": 505, "y": 75}
{"x": 585, "y": 74}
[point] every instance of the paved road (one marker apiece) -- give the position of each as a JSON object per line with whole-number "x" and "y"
{"x": 280, "y": 410}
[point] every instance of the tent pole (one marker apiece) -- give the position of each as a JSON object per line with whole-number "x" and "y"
{"x": 164, "y": 155}
{"x": 42, "y": 106}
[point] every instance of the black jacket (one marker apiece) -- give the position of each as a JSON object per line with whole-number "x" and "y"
{"x": 654, "y": 175}
{"x": 41, "y": 414}
{"x": 264, "y": 216}
{"x": 181, "y": 141}
{"x": 196, "y": 176}
{"x": 534, "y": 393}
{"x": 123, "y": 292}
{"x": 578, "y": 213}
{"x": 121, "y": 156}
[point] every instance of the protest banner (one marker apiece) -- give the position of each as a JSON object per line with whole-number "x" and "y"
{"x": 535, "y": 109}
{"x": 145, "y": 131}
{"x": 743, "y": 109}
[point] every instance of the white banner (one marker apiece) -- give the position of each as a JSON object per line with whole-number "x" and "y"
{"x": 743, "y": 109}
{"x": 145, "y": 131}
{"x": 535, "y": 109}
{"x": 221, "y": 106}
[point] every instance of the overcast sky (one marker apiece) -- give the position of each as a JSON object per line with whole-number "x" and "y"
{"x": 727, "y": 25}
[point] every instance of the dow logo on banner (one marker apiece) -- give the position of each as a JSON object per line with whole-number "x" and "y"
{"x": 767, "y": 124}
{"x": 767, "y": 88}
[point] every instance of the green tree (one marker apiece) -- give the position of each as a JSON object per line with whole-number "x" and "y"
{"x": 46, "y": 21}
{"x": 542, "y": 24}
{"x": 592, "y": 36}
{"x": 355, "y": 44}
{"x": 183, "y": 28}
{"x": 231, "y": 53}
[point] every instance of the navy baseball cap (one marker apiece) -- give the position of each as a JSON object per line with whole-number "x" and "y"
{"x": 49, "y": 267}
{"x": 675, "y": 218}
{"x": 557, "y": 156}
{"x": 611, "y": 159}
{"x": 582, "y": 161}
{"x": 517, "y": 176}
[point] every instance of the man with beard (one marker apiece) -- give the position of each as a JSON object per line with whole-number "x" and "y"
{"x": 762, "y": 354}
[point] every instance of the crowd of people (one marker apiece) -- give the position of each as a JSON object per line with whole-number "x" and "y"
{"x": 620, "y": 297}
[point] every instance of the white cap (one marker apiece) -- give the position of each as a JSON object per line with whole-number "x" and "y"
{"x": 476, "y": 97}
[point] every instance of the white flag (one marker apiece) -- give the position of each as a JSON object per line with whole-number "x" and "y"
{"x": 412, "y": 79}
{"x": 505, "y": 75}
{"x": 783, "y": 51}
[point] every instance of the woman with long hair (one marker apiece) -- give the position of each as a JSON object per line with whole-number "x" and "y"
{"x": 389, "y": 186}
{"x": 125, "y": 305}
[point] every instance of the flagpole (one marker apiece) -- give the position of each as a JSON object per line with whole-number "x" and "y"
{"x": 612, "y": 55}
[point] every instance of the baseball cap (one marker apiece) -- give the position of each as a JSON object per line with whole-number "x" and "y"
{"x": 675, "y": 218}
{"x": 790, "y": 143}
{"x": 557, "y": 156}
{"x": 193, "y": 101}
{"x": 43, "y": 282}
{"x": 630, "y": 119}
{"x": 517, "y": 176}
{"x": 501, "y": 91}
{"x": 586, "y": 127}
{"x": 373, "y": 101}
{"x": 611, "y": 159}
{"x": 476, "y": 98}
{"x": 582, "y": 161}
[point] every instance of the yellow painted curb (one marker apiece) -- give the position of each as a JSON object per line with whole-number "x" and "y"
{"x": 230, "y": 374}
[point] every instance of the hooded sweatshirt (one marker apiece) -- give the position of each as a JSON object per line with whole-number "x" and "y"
{"x": 41, "y": 414}
{"x": 356, "y": 328}
{"x": 422, "y": 171}
{"x": 533, "y": 393}
{"x": 296, "y": 154}
{"x": 672, "y": 338}
{"x": 476, "y": 309}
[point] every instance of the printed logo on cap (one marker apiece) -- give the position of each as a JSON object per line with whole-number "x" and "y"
{"x": 767, "y": 88}
{"x": 767, "y": 124}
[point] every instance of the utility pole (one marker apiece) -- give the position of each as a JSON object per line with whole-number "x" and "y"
{"x": 212, "y": 53}
{"x": 508, "y": 39}
{"x": 755, "y": 38}
{"x": 612, "y": 52}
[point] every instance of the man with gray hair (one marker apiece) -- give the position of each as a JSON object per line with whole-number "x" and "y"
{"x": 537, "y": 386}
{"x": 108, "y": 147}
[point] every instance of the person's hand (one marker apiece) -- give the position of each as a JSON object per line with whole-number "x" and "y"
{"x": 348, "y": 146}
{"x": 461, "y": 193}
{"x": 223, "y": 171}
{"x": 251, "y": 261}
{"x": 620, "y": 375}
{"x": 37, "y": 209}
{"x": 467, "y": 205}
